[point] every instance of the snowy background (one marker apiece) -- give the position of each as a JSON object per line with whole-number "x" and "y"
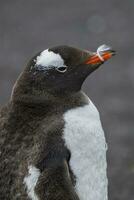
{"x": 27, "y": 27}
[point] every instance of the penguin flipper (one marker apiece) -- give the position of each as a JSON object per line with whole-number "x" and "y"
{"x": 55, "y": 184}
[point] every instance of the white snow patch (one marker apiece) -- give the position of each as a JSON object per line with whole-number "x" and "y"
{"x": 49, "y": 59}
{"x": 31, "y": 181}
{"x": 84, "y": 137}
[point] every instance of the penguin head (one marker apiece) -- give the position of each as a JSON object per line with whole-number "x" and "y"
{"x": 62, "y": 69}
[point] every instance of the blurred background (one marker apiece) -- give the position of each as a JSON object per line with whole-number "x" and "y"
{"x": 27, "y": 27}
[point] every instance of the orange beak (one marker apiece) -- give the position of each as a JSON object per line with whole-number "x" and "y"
{"x": 101, "y": 56}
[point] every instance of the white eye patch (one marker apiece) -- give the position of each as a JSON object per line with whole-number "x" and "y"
{"x": 48, "y": 59}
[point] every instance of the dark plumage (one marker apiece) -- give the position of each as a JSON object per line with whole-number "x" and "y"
{"x": 31, "y": 127}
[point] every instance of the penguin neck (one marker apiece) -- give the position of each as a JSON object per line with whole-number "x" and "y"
{"x": 48, "y": 100}
{"x": 29, "y": 93}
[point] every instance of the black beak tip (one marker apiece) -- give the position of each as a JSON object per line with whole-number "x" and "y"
{"x": 113, "y": 52}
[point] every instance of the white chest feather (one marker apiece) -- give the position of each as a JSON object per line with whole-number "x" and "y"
{"x": 84, "y": 137}
{"x": 30, "y": 182}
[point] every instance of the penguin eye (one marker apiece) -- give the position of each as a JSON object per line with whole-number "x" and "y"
{"x": 61, "y": 69}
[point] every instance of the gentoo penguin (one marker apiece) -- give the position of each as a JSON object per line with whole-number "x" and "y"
{"x": 52, "y": 145}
